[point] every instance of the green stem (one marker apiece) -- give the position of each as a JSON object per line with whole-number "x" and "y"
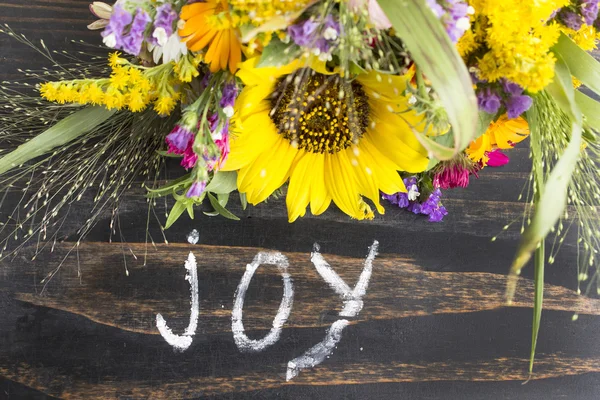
{"x": 539, "y": 258}
{"x": 421, "y": 83}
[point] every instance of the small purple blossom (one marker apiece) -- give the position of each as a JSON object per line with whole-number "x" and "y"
{"x": 433, "y": 207}
{"x": 517, "y": 105}
{"x": 454, "y": 15}
{"x": 132, "y": 42}
{"x": 315, "y": 34}
{"x": 113, "y": 33}
{"x": 196, "y": 190}
{"x": 511, "y": 88}
{"x": 179, "y": 140}
{"x": 488, "y": 100}
{"x": 589, "y": 10}
{"x": 570, "y": 19}
{"x": 165, "y": 16}
{"x": 229, "y": 95}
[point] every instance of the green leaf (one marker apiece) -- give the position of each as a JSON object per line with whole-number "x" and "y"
{"x": 222, "y": 182}
{"x": 581, "y": 64}
{"x": 165, "y": 153}
{"x": 436, "y": 56}
{"x": 243, "y": 200}
{"x": 223, "y": 198}
{"x": 538, "y": 300}
{"x": 590, "y": 108}
{"x": 220, "y": 209}
{"x": 553, "y": 197}
{"x": 169, "y": 187}
{"x": 278, "y": 53}
{"x": 178, "y": 208}
{"x": 63, "y": 132}
{"x": 483, "y": 123}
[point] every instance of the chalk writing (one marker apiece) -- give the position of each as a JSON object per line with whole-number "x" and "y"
{"x": 243, "y": 342}
{"x": 183, "y": 342}
{"x": 352, "y": 300}
{"x": 352, "y": 305}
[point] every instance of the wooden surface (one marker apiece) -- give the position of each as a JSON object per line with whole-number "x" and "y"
{"x": 433, "y": 325}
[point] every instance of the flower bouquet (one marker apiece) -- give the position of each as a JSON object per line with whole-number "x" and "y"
{"x": 351, "y": 102}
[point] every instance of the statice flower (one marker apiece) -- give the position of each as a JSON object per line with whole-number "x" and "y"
{"x": 228, "y": 97}
{"x": 196, "y": 190}
{"x": 454, "y": 15}
{"x": 163, "y": 23}
{"x": 488, "y": 100}
{"x": 433, "y": 207}
{"x": 589, "y": 10}
{"x": 113, "y": 33}
{"x": 516, "y": 103}
{"x": 409, "y": 200}
{"x": 132, "y": 42}
{"x": 318, "y": 35}
{"x": 570, "y": 19}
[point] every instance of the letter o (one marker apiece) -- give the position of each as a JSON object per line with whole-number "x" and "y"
{"x": 242, "y": 341}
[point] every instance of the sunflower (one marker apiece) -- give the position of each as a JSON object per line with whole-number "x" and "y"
{"x": 502, "y": 134}
{"x": 333, "y": 139}
{"x": 208, "y": 25}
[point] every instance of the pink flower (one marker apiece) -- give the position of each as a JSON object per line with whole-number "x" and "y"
{"x": 451, "y": 177}
{"x": 497, "y": 158}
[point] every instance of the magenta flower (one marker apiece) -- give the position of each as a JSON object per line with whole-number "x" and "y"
{"x": 497, "y": 158}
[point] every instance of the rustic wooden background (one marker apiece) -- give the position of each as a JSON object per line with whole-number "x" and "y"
{"x": 434, "y": 324}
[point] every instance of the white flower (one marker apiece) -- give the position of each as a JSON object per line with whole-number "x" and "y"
{"x": 325, "y": 57}
{"x": 172, "y": 50}
{"x": 413, "y": 193}
{"x": 463, "y": 23}
{"x": 330, "y": 34}
{"x": 228, "y": 111}
{"x": 160, "y": 34}
{"x": 110, "y": 40}
{"x": 470, "y": 10}
{"x": 412, "y": 100}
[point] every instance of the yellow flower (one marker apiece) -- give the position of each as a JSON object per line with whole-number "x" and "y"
{"x": 200, "y": 31}
{"x": 333, "y": 139}
{"x": 164, "y": 105}
{"x": 502, "y": 134}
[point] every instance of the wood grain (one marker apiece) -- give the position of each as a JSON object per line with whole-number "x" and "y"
{"x": 399, "y": 288}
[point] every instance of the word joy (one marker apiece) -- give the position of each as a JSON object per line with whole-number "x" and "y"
{"x": 351, "y": 297}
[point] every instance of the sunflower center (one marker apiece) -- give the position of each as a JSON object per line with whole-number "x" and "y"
{"x": 319, "y": 113}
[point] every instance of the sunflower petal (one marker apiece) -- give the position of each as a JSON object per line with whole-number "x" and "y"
{"x": 364, "y": 170}
{"x": 342, "y": 185}
{"x": 298, "y": 194}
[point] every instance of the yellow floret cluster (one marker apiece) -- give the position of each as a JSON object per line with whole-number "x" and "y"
{"x": 259, "y": 11}
{"x": 128, "y": 86}
{"x": 513, "y": 39}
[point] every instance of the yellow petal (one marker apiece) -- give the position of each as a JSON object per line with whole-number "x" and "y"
{"x": 251, "y": 75}
{"x": 341, "y": 184}
{"x": 224, "y": 49}
{"x": 505, "y": 133}
{"x": 252, "y": 100}
{"x": 388, "y": 179}
{"x": 319, "y": 197}
{"x": 235, "y": 53}
{"x": 195, "y": 26}
{"x": 191, "y": 10}
{"x": 364, "y": 169}
{"x": 212, "y": 55}
{"x": 298, "y": 194}
{"x": 258, "y": 135}
{"x": 396, "y": 143}
{"x": 268, "y": 172}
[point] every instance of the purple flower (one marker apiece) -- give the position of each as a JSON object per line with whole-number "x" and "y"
{"x": 179, "y": 140}
{"x": 315, "y": 34}
{"x": 454, "y": 14}
{"x": 132, "y": 42}
{"x": 165, "y": 16}
{"x": 229, "y": 95}
{"x": 517, "y": 105}
{"x": 488, "y": 100}
{"x": 511, "y": 87}
{"x": 303, "y": 33}
{"x": 196, "y": 189}
{"x": 437, "y": 10}
{"x": 433, "y": 207}
{"x": 571, "y": 19}
{"x": 414, "y": 207}
{"x": 113, "y": 33}
{"x": 589, "y": 10}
